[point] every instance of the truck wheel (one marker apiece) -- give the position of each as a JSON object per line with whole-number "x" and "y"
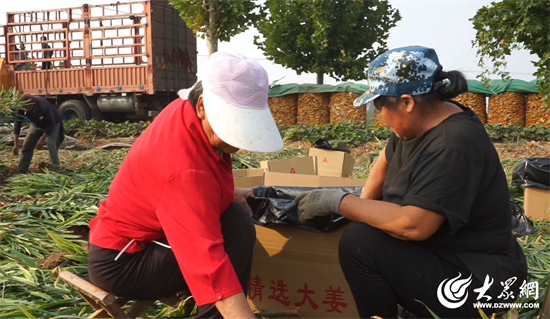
{"x": 74, "y": 109}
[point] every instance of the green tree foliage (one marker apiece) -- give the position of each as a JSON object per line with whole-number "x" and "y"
{"x": 216, "y": 19}
{"x": 510, "y": 25}
{"x": 338, "y": 37}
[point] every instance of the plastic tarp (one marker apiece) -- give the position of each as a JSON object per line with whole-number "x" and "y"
{"x": 477, "y": 87}
{"x": 280, "y": 90}
{"x": 275, "y": 205}
{"x": 534, "y": 171}
{"x": 474, "y": 86}
{"x": 499, "y": 86}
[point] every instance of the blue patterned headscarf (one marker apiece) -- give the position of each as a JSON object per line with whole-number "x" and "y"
{"x": 406, "y": 70}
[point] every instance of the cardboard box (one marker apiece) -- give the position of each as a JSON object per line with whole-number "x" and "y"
{"x": 297, "y": 165}
{"x": 258, "y": 177}
{"x": 545, "y": 309}
{"x": 248, "y": 177}
{"x": 294, "y": 268}
{"x": 536, "y": 202}
{"x": 332, "y": 163}
{"x": 299, "y": 180}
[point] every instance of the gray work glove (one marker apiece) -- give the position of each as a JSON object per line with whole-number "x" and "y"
{"x": 318, "y": 202}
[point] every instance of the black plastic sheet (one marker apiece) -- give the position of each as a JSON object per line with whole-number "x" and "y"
{"x": 275, "y": 205}
{"x": 533, "y": 171}
{"x": 521, "y": 225}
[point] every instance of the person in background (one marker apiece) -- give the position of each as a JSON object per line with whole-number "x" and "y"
{"x": 46, "y": 54}
{"x": 22, "y": 66}
{"x": 45, "y": 126}
{"x": 434, "y": 215}
{"x": 173, "y": 220}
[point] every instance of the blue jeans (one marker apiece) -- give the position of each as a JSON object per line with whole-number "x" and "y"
{"x": 33, "y": 135}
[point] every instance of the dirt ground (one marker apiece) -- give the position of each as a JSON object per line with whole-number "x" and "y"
{"x": 510, "y": 150}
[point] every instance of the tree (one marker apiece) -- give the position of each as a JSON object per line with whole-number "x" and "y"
{"x": 337, "y": 37}
{"x": 216, "y": 19}
{"x": 510, "y": 25}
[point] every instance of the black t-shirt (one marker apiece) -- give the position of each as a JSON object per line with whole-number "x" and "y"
{"x": 454, "y": 170}
{"x": 44, "y": 115}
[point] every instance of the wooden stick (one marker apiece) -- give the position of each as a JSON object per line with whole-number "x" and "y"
{"x": 295, "y": 312}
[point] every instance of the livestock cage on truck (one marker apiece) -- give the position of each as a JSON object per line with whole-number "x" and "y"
{"x": 114, "y": 61}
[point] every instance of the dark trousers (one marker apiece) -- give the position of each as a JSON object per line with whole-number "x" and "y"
{"x": 154, "y": 272}
{"x": 383, "y": 271}
{"x": 46, "y": 65}
{"x": 33, "y": 135}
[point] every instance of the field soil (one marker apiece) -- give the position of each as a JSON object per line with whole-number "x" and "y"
{"x": 509, "y": 151}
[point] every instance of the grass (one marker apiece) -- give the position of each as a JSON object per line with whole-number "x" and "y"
{"x": 40, "y": 209}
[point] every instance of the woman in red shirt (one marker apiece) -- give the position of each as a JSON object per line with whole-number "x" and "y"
{"x": 170, "y": 222}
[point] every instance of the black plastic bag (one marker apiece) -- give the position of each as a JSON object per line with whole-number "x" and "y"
{"x": 275, "y": 205}
{"x": 532, "y": 172}
{"x": 521, "y": 225}
{"x": 325, "y": 145}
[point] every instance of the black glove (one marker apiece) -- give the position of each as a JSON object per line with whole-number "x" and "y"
{"x": 318, "y": 202}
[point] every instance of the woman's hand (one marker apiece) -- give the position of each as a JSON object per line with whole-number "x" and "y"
{"x": 240, "y": 196}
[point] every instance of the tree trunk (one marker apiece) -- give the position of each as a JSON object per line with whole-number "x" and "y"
{"x": 212, "y": 36}
{"x": 320, "y": 77}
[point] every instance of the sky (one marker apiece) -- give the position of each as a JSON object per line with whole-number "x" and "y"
{"x": 440, "y": 24}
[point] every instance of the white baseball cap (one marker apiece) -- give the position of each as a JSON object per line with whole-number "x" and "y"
{"x": 235, "y": 90}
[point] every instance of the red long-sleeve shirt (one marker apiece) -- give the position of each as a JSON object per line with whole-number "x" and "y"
{"x": 173, "y": 183}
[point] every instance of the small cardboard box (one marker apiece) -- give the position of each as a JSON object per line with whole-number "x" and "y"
{"x": 294, "y": 268}
{"x": 536, "y": 202}
{"x": 332, "y": 163}
{"x": 248, "y": 177}
{"x": 297, "y": 165}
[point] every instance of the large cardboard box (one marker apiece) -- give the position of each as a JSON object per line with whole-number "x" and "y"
{"x": 536, "y": 202}
{"x": 294, "y": 268}
{"x": 297, "y": 165}
{"x": 545, "y": 309}
{"x": 332, "y": 163}
{"x": 258, "y": 176}
{"x": 248, "y": 177}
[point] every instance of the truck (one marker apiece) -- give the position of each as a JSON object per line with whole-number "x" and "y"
{"x": 119, "y": 61}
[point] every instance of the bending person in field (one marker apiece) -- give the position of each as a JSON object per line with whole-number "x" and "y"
{"x": 435, "y": 210}
{"x": 172, "y": 220}
{"x": 46, "y": 128}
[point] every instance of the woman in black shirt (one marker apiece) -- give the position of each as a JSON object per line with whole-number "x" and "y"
{"x": 433, "y": 220}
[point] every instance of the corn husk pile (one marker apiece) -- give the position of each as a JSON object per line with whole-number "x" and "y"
{"x": 474, "y": 101}
{"x": 342, "y": 109}
{"x": 377, "y": 120}
{"x": 284, "y": 109}
{"x": 313, "y": 108}
{"x": 535, "y": 113}
{"x": 507, "y": 108}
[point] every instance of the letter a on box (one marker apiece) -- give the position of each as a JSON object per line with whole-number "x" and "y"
{"x": 325, "y": 160}
{"x": 292, "y": 171}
